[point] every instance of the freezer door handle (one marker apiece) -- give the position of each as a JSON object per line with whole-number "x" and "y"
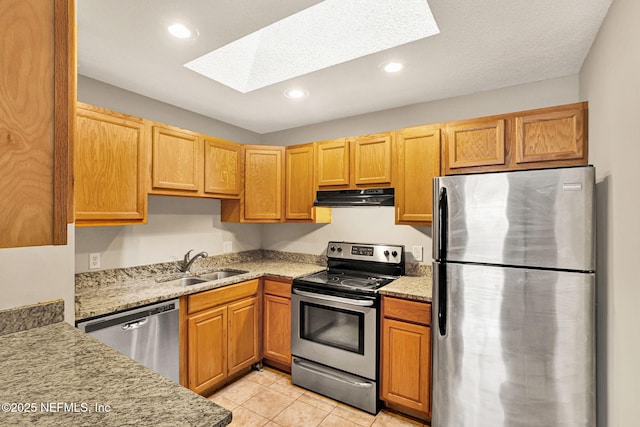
{"x": 443, "y": 213}
{"x": 442, "y": 299}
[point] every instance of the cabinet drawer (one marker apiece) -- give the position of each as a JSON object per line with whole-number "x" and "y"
{"x": 405, "y": 310}
{"x": 206, "y": 299}
{"x": 275, "y": 287}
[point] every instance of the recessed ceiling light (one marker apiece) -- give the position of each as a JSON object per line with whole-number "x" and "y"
{"x": 392, "y": 67}
{"x": 296, "y": 93}
{"x": 181, "y": 31}
{"x": 328, "y": 33}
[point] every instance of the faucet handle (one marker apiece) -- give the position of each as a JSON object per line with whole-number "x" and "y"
{"x": 187, "y": 256}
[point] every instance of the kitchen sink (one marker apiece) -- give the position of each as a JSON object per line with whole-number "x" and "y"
{"x": 209, "y": 277}
{"x": 217, "y": 275}
{"x": 186, "y": 281}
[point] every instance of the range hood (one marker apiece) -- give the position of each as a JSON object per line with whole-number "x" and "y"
{"x": 343, "y": 198}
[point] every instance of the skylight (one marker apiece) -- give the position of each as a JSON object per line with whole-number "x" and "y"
{"x": 323, "y": 35}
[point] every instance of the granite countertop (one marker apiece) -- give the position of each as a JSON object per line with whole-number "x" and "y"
{"x": 109, "y": 291}
{"x": 98, "y": 299}
{"x": 417, "y": 288}
{"x": 56, "y": 375}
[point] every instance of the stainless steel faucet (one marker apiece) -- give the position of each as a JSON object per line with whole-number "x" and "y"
{"x": 186, "y": 263}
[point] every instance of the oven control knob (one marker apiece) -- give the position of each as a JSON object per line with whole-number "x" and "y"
{"x": 394, "y": 254}
{"x": 333, "y": 248}
{"x": 339, "y": 249}
{"x": 386, "y": 253}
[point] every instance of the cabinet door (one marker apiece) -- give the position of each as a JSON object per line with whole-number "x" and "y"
{"x": 264, "y": 183}
{"x": 332, "y": 163}
{"x": 299, "y": 190}
{"x": 222, "y": 167}
{"x": 207, "y": 348}
{"x": 406, "y": 366}
{"x": 554, "y": 135}
{"x": 37, "y": 70}
{"x": 277, "y": 329}
{"x": 244, "y": 329}
{"x": 417, "y": 155}
{"x": 109, "y": 167}
{"x": 371, "y": 160}
{"x": 473, "y": 144}
{"x": 176, "y": 160}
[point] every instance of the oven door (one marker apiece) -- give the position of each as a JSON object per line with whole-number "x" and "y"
{"x": 337, "y": 331}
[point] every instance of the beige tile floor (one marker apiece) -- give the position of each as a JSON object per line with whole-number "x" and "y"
{"x": 267, "y": 398}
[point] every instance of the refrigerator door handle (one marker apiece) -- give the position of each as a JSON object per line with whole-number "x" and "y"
{"x": 443, "y": 213}
{"x": 442, "y": 299}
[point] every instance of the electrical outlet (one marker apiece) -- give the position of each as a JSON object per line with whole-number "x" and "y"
{"x": 227, "y": 247}
{"x": 417, "y": 253}
{"x": 94, "y": 260}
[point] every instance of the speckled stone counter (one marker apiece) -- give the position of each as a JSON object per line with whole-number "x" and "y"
{"x": 31, "y": 316}
{"x": 417, "y": 288}
{"x": 97, "y": 297}
{"x": 58, "y": 376}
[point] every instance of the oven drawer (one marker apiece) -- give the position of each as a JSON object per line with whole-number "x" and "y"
{"x": 350, "y": 389}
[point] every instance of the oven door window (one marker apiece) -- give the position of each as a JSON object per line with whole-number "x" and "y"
{"x": 335, "y": 327}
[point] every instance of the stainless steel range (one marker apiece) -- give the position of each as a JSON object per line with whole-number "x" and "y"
{"x": 335, "y": 322}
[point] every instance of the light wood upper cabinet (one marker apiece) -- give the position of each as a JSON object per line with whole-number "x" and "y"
{"x": 541, "y": 138}
{"x": 37, "y": 99}
{"x": 332, "y": 163}
{"x": 553, "y": 134}
{"x": 264, "y": 182}
{"x": 359, "y": 162}
{"x": 176, "y": 160}
{"x": 109, "y": 168}
{"x": 477, "y": 142}
{"x": 263, "y": 195}
{"x": 299, "y": 189}
{"x": 222, "y": 167}
{"x": 417, "y": 162}
{"x": 371, "y": 160}
{"x": 406, "y": 356}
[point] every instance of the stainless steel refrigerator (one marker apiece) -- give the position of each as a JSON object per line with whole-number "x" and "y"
{"x": 514, "y": 299}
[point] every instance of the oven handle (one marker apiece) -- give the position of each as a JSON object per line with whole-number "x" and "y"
{"x": 360, "y": 303}
{"x": 331, "y": 375}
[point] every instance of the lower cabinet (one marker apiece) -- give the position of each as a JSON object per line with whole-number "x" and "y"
{"x": 406, "y": 356}
{"x": 277, "y": 323}
{"x": 220, "y": 334}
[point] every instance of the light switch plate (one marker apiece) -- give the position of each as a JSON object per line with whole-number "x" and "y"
{"x": 417, "y": 253}
{"x": 227, "y": 247}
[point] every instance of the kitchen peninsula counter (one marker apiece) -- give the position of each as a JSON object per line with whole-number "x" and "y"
{"x": 56, "y": 375}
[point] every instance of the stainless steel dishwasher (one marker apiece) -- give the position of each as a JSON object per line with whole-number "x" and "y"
{"x": 148, "y": 334}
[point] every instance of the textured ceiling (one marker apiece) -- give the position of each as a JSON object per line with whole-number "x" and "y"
{"x": 482, "y": 45}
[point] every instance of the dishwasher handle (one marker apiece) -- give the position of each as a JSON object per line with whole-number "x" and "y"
{"x": 135, "y": 325}
{"x": 129, "y": 320}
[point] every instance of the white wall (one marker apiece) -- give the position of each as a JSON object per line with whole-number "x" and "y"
{"x": 610, "y": 81}
{"x": 37, "y": 274}
{"x": 376, "y": 225}
{"x": 174, "y": 226}
{"x": 362, "y": 224}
